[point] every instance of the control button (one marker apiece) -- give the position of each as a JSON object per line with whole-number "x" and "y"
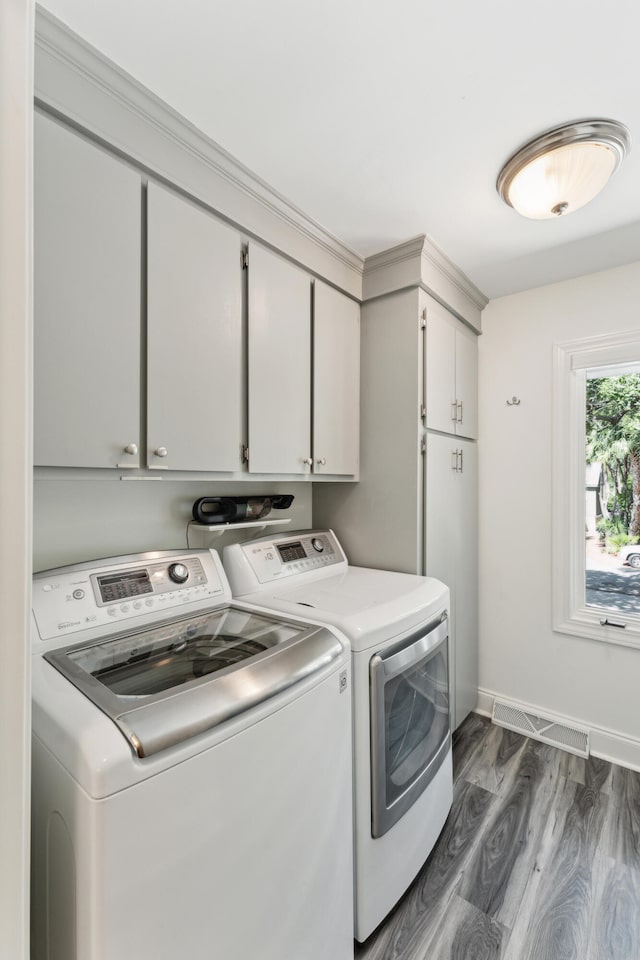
{"x": 47, "y": 587}
{"x": 124, "y": 607}
{"x": 78, "y": 594}
{"x": 317, "y": 544}
{"x": 112, "y": 611}
{"x": 137, "y": 604}
{"x": 149, "y": 602}
{"x": 178, "y": 572}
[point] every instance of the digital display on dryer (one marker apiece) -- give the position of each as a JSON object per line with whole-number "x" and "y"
{"x": 291, "y": 551}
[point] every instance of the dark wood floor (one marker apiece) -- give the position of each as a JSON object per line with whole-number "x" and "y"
{"x": 539, "y": 860}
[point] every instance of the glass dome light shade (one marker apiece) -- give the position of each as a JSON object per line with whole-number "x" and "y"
{"x": 563, "y": 169}
{"x": 561, "y": 181}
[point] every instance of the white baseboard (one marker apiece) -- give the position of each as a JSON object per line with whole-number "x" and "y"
{"x": 605, "y": 743}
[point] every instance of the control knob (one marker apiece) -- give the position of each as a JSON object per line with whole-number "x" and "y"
{"x": 178, "y": 572}
{"x": 317, "y": 544}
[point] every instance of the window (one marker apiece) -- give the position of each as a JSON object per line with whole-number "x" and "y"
{"x": 594, "y": 380}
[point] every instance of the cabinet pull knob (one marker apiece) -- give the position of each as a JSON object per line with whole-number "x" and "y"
{"x": 321, "y": 461}
{"x": 131, "y": 449}
{"x": 307, "y": 460}
{"x": 160, "y": 452}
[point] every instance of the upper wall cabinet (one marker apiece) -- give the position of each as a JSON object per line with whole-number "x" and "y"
{"x": 295, "y": 427}
{"x": 87, "y": 239}
{"x": 279, "y": 365}
{"x": 336, "y": 382}
{"x": 160, "y": 380}
{"x": 194, "y": 338}
{"x": 88, "y": 319}
{"x": 451, "y": 376}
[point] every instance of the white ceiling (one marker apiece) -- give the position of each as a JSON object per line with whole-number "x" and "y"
{"x": 383, "y": 119}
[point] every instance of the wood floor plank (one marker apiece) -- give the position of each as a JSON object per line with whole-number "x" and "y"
{"x": 590, "y": 772}
{"x": 498, "y": 875}
{"x": 495, "y": 763}
{"x": 559, "y": 918}
{"x": 624, "y": 843}
{"x": 465, "y": 934}
{"x": 466, "y": 740}
{"x": 615, "y": 925}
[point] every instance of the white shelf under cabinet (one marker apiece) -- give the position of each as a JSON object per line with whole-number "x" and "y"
{"x": 217, "y": 529}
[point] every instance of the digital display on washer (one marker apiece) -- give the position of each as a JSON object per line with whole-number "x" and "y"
{"x": 291, "y": 551}
{"x": 120, "y": 586}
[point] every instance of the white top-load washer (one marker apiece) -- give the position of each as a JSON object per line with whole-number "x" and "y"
{"x": 191, "y": 769}
{"x": 397, "y": 625}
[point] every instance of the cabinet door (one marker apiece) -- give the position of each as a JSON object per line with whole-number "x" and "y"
{"x": 441, "y": 536}
{"x": 466, "y": 589}
{"x": 451, "y": 512}
{"x": 87, "y": 252}
{"x": 440, "y": 370}
{"x": 279, "y": 365}
{"x": 467, "y": 383}
{"x": 336, "y": 382}
{"x": 195, "y": 381}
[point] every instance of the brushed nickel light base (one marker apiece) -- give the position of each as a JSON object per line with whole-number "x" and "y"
{"x": 607, "y": 133}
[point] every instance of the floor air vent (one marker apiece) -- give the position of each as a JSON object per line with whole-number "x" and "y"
{"x": 573, "y": 739}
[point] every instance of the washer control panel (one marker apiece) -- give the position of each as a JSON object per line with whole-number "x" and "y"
{"x": 281, "y": 557}
{"x": 87, "y": 596}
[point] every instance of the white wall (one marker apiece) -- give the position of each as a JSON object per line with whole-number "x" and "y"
{"x": 16, "y": 111}
{"x": 85, "y": 519}
{"x": 520, "y": 656}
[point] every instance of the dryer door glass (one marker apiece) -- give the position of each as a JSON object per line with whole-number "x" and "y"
{"x": 410, "y": 723}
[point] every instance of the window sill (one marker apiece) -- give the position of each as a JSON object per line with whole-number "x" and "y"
{"x": 585, "y": 623}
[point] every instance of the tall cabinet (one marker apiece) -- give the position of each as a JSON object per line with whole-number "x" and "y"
{"x": 415, "y": 508}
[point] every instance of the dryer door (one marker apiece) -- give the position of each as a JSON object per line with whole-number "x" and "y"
{"x": 410, "y": 730}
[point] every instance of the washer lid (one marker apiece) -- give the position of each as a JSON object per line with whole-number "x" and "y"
{"x": 171, "y": 682}
{"x": 369, "y": 606}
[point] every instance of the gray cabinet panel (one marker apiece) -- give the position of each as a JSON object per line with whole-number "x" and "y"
{"x": 87, "y": 302}
{"x": 466, "y": 603}
{"x": 279, "y": 365}
{"x": 336, "y": 382}
{"x": 452, "y": 555}
{"x": 451, "y": 380}
{"x": 195, "y": 377}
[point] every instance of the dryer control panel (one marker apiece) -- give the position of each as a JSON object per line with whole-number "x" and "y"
{"x": 269, "y": 559}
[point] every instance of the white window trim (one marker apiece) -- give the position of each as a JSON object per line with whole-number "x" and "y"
{"x": 571, "y": 361}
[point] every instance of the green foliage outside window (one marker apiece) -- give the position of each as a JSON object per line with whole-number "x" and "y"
{"x": 613, "y": 439}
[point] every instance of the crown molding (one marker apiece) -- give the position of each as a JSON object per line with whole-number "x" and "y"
{"x": 76, "y": 82}
{"x": 420, "y": 262}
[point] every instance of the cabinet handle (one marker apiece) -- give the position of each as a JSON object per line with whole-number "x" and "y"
{"x": 160, "y": 452}
{"x": 460, "y": 408}
{"x": 461, "y": 462}
{"x": 454, "y": 410}
{"x": 132, "y": 450}
{"x": 321, "y": 461}
{"x": 454, "y": 460}
{"x": 308, "y": 461}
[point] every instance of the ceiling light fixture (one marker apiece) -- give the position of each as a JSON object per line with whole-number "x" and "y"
{"x": 564, "y": 168}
